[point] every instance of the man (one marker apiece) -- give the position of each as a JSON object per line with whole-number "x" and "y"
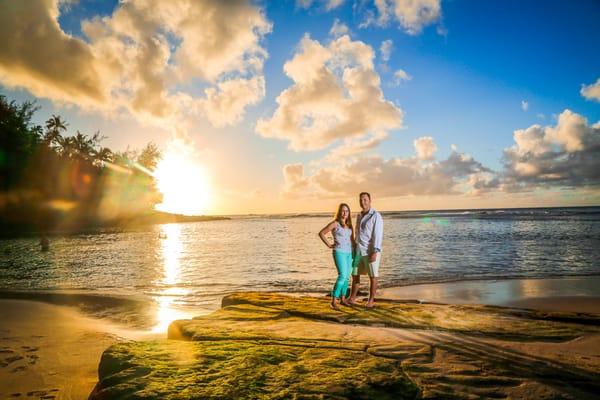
{"x": 367, "y": 256}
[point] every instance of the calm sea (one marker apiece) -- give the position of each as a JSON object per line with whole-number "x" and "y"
{"x": 188, "y": 267}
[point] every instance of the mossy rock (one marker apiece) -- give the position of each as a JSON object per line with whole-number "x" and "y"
{"x": 272, "y": 346}
{"x": 499, "y": 322}
{"x": 249, "y": 369}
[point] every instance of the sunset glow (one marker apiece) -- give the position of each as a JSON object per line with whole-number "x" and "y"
{"x": 183, "y": 183}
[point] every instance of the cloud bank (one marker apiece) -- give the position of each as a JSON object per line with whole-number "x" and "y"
{"x": 412, "y": 176}
{"x": 141, "y": 57}
{"x": 565, "y": 155}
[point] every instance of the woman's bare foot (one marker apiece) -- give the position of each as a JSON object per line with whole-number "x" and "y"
{"x": 344, "y": 301}
{"x": 334, "y": 304}
{"x": 370, "y": 304}
{"x": 351, "y": 301}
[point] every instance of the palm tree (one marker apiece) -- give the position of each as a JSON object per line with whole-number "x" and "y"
{"x": 102, "y": 154}
{"x": 66, "y": 147}
{"x": 53, "y": 128}
{"x": 83, "y": 146}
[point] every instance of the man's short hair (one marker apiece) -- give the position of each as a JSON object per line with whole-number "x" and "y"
{"x": 364, "y": 193}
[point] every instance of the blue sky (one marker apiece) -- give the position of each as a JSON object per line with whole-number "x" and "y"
{"x": 471, "y": 69}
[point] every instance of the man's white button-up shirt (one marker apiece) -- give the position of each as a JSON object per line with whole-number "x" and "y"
{"x": 369, "y": 232}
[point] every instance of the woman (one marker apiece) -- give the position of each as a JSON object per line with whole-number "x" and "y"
{"x": 343, "y": 240}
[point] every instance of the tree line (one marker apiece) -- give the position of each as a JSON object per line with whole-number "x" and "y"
{"x": 50, "y": 179}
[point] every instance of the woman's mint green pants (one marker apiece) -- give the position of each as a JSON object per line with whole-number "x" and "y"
{"x": 343, "y": 263}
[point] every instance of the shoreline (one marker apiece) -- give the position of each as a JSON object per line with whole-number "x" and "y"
{"x": 569, "y": 293}
{"x": 137, "y": 311}
{"x": 54, "y": 349}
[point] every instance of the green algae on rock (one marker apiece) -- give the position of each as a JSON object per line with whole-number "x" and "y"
{"x": 272, "y": 346}
{"x": 247, "y": 369}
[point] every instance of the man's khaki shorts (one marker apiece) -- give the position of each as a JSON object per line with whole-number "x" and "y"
{"x": 362, "y": 265}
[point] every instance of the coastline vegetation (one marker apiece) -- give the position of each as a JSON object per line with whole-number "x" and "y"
{"x": 53, "y": 180}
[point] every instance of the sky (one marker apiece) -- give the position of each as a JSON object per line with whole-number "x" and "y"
{"x": 295, "y": 106}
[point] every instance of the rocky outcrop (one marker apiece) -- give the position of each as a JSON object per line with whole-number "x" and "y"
{"x": 271, "y": 346}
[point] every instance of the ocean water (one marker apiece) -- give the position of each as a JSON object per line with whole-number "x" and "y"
{"x": 186, "y": 268}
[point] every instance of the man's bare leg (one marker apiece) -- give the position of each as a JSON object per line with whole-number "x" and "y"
{"x": 354, "y": 291}
{"x": 372, "y": 291}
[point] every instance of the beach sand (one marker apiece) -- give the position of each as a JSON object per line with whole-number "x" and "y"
{"x": 52, "y": 352}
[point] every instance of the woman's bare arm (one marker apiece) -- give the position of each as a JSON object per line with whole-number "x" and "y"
{"x": 328, "y": 228}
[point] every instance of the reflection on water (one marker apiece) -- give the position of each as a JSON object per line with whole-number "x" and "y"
{"x": 185, "y": 269}
{"x": 498, "y": 292}
{"x": 171, "y": 249}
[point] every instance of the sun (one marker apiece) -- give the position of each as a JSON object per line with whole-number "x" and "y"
{"x": 183, "y": 182}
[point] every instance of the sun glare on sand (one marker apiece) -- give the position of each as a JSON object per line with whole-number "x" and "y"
{"x": 183, "y": 182}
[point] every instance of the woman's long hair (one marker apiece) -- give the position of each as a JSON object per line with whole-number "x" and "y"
{"x": 338, "y": 216}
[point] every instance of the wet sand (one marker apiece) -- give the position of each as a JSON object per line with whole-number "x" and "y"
{"x": 52, "y": 352}
{"x": 572, "y": 294}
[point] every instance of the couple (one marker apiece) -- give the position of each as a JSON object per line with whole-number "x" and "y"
{"x": 357, "y": 251}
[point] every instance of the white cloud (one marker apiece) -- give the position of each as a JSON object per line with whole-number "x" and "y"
{"x": 338, "y": 29}
{"x": 524, "y": 105}
{"x": 386, "y": 50}
{"x": 354, "y": 146}
{"x": 531, "y": 140}
{"x": 328, "y": 5}
{"x": 304, "y": 3}
{"x": 225, "y": 104}
{"x": 400, "y": 76}
{"x": 332, "y": 4}
{"x": 336, "y": 95}
{"x": 412, "y": 15}
{"x": 139, "y": 58}
{"x": 482, "y": 182}
{"x": 295, "y": 182}
{"x": 45, "y": 60}
{"x": 567, "y": 154}
{"x": 591, "y": 91}
{"x": 425, "y": 147}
